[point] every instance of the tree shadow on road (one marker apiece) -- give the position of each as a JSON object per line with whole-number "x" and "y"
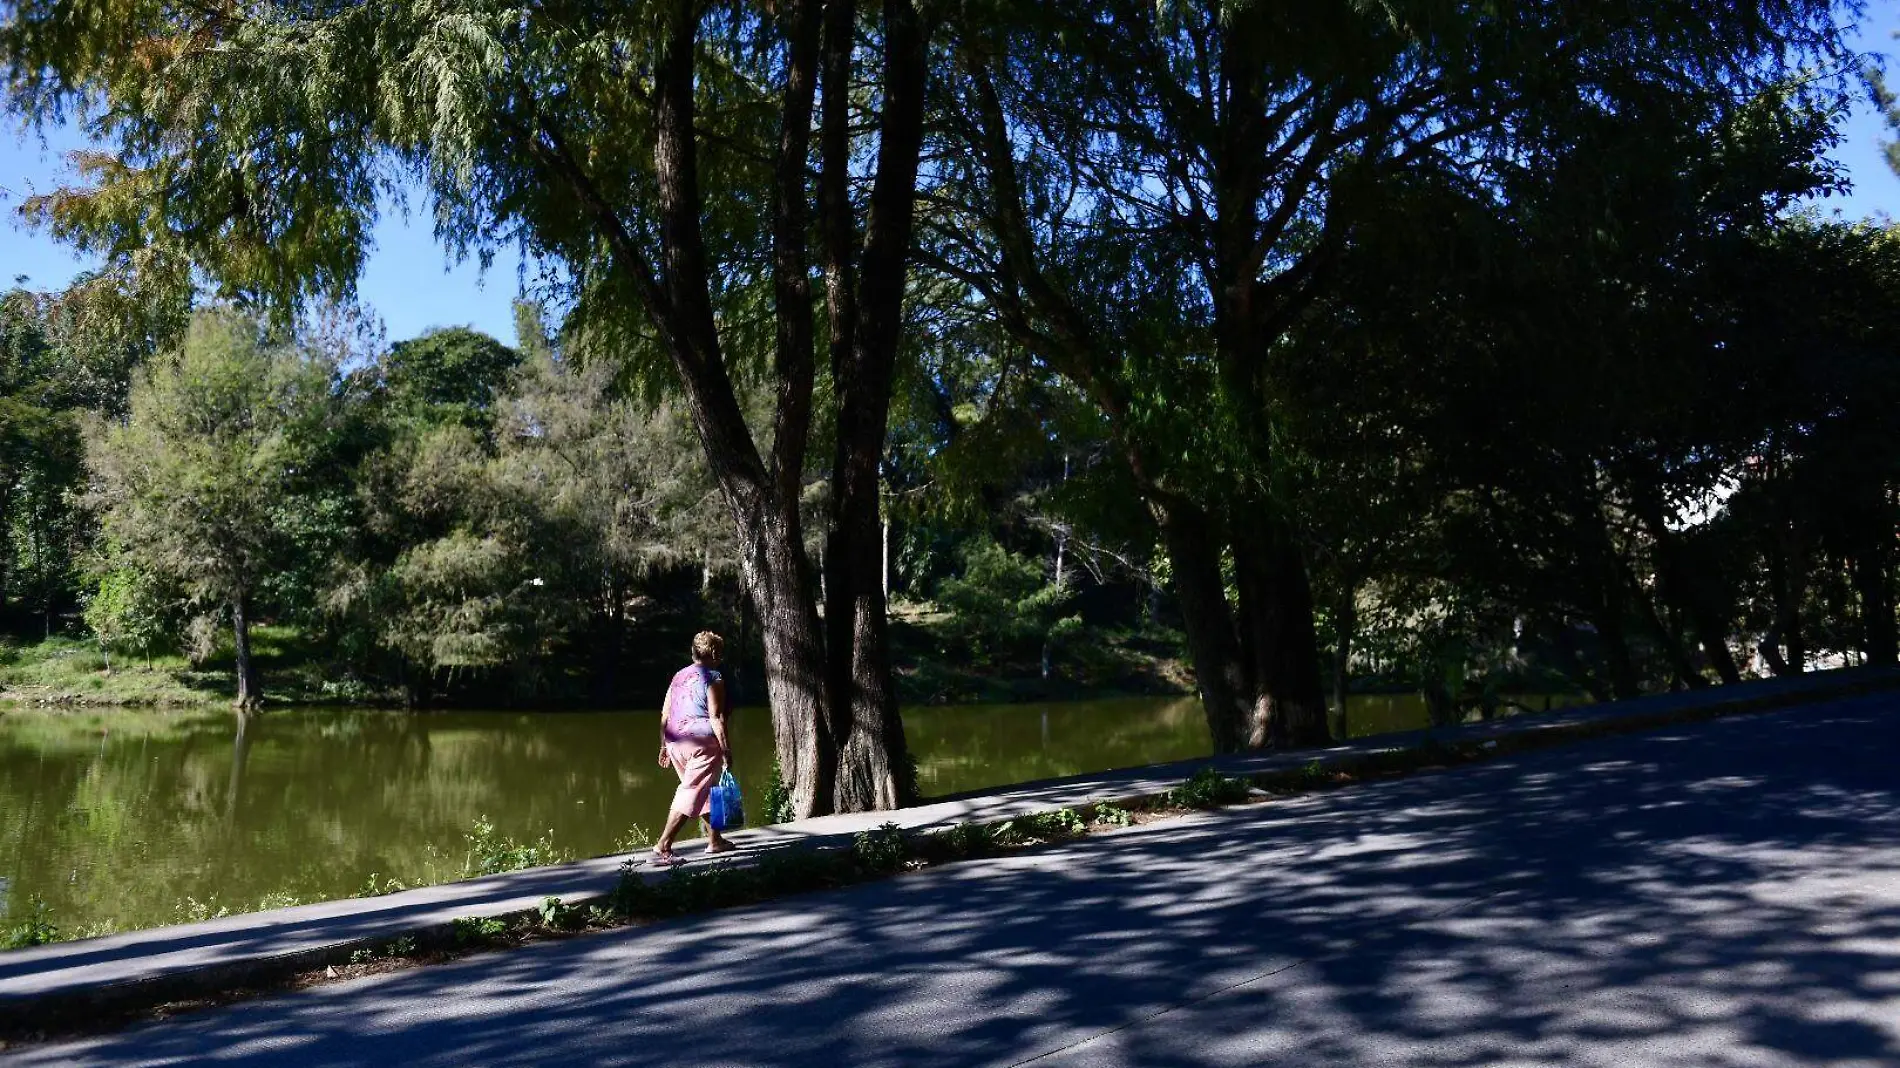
{"x": 1723, "y": 894}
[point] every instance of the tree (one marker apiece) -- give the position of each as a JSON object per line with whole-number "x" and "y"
{"x": 202, "y": 483}
{"x": 1150, "y": 196}
{"x": 253, "y": 145}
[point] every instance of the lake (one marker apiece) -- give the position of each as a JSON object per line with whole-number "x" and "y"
{"x": 135, "y": 818}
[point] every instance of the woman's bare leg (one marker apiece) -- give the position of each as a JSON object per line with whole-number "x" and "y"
{"x": 669, "y": 832}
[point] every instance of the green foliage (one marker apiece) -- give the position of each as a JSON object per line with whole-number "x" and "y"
{"x": 221, "y": 449}
{"x": 376, "y": 885}
{"x": 192, "y": 910}
{"x": 963, "y": 840}
{"x": 884, "y": 848}
{"x": 1208, "y": 788}
{"x": 1040, "y": 827}
{"x": 128, "y": 612}
{"x": 777, "y": 797}
{"x": 453, "y": 375}
{"x": 477, "y": 930}
{"x": 37, "y": 929}
{"x": 1111, "y": 815}
{"x": 1003, "y": 606}
{"x": 557, "y": 915}
{"x": 633, "y": 839}
{"x": 491, "y": 853}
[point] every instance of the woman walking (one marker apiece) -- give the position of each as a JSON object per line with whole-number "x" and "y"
{"x": 693, "y": 742}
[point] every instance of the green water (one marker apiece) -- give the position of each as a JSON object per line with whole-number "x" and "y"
{"x": 124, "y": 818}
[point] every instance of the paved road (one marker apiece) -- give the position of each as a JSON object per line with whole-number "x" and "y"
{"x": 1726, "y": 894}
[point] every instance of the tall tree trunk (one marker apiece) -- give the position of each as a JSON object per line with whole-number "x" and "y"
{"x": 1194, "y": 557}
{"x": 1683, "y": 581}
{"x": 1787, "y": 571}
{"x": 1874, "y": 587}
{"x": 1345, "y": 630}
{"x": 1288, "y": 707}
{"x": 779, "y": 576}
{"x": 866, "y": 307}
{"x": 250, "y": 693}
{"x": 1670, "y": 639}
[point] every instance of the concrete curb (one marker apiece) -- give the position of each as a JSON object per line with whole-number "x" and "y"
{"x": 75, "y": 982}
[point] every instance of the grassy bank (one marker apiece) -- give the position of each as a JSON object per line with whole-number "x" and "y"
{"x": 933, "y": 664}
{"x": 72, "y": 672}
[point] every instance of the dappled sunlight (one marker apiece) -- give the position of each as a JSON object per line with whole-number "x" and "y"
{"x": 1727, "y": 896}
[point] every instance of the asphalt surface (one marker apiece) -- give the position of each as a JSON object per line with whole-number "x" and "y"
{"x": 1722, "y": 894}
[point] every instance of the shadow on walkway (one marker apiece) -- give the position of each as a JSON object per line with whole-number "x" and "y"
{"x": 1721, "y": 894}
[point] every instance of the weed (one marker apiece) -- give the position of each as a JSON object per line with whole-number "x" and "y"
{"x": 635, "y": 839}
{"x": 1208, "y": 788}
{"x": 491, "y": 852}
{"x": 777, "y": 797}
{"x": 883, "y": 849}
{"x": 192, "y": 910}
{"x": 378, "y": 884}
{"x": 38, "y": 929}
{"x": 282, "y": 899}
{"x": 597, "y": 916}
{"x": 362, "y": 956}
{"x": 963, "y": 840}
{"x": 401, "y": 947}
{"x": 1062, "y": 823}
{"x": 477, "y": 930}
{"x": 558, "y": 915}
{"x": 1108, "y": 814}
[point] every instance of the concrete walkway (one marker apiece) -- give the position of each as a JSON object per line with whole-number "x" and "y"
{"x": 1722, "y": 893}
{"x": 182, "y": 960}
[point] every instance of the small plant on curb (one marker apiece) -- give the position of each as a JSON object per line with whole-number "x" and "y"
{"x": 963, "y": 840}
{"x": 1208, "y": 788}
{"x": 558, "y": 915}
{"x": 378, "y": 884}
{"x": 395, "y": 949}
{"x": 883, "y": 849}
{"x": 633, "y": 840}
{"x": 1108, "y": 814}
{"x": 38, "y": 929}
{"x": 1040, "y": 827}
{"x": 477, "y": 930}
{"x": 492, "y": 853}
{"x": 192, "y": 910}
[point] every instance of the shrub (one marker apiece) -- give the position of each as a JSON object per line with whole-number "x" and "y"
{"x": 38, "y": 929}
{"x": 1108, "y": 814}
{"x": 1208, "y": 788}
{"x": 377, "y": 885}
{"x": 558, "y": 915}
{"x": 777, "y": 797}
{"x": 883, "y": 849}
{"x": 491, "y": 853}
{"x": 963, "y": 840}
{"x": 477, "y": 930}
{"x": 635, "y": 839}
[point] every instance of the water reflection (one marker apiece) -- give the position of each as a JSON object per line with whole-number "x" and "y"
{"x": 121, "y": 817}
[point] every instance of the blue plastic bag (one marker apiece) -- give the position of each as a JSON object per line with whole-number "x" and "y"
{"x": 727, "y": 806}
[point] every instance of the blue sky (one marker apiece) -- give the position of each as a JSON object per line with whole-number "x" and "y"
{"x": 412, "y": 284}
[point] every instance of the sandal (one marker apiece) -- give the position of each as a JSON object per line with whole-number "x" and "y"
{"x": 665, "y": 859}
{"x": 727, "y": 848}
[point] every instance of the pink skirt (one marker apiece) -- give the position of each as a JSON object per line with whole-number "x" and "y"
{"x": 697, "y": 762}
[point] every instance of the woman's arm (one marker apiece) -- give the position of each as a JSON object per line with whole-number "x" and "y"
{"x": 716, "y": 709}
{"x": 664, "y": 759}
